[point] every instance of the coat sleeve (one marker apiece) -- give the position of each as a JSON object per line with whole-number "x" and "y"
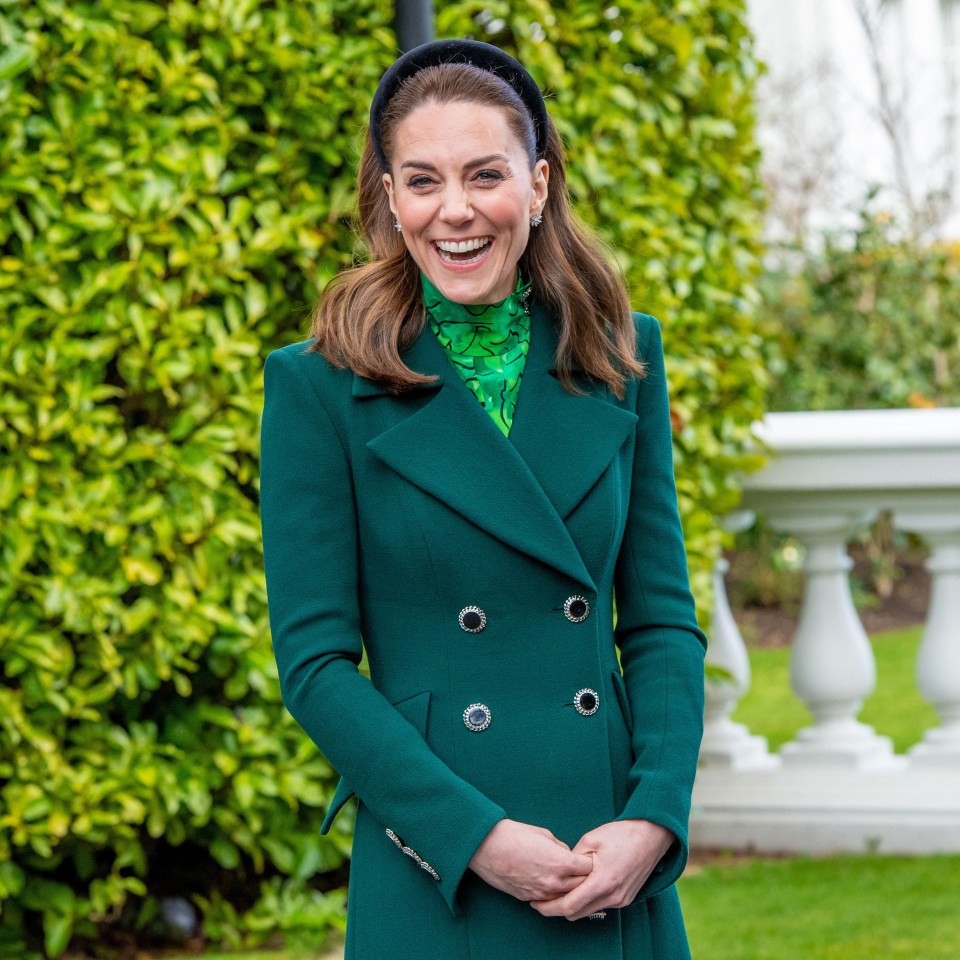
{"x": 309, "y": 522}
{"x": 661, "y": 645}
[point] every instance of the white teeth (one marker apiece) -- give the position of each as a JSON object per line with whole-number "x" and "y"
{"x": 462, "y": 246}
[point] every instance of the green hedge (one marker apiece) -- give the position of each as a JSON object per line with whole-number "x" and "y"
{"x": 176, "y": 181}
{"x": 868, "y": 320}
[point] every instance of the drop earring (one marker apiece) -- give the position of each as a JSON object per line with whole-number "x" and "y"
{"x": 397, "y": 227}
{"x": 536, "y": 220}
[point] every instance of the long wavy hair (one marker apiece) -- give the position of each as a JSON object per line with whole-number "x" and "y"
{"x": 366, "y": 316}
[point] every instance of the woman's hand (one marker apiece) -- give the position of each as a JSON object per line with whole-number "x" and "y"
{"x": 529, "y": 862}
{"x": 624, "y": 854}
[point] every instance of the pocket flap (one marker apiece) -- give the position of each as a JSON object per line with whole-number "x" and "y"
{"x": 416, "y": 709}
{"x": 340, "y": 796}
{"x": 621, "y": 690}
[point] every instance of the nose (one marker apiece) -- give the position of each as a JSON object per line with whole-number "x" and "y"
{"x": 456, "y": 207}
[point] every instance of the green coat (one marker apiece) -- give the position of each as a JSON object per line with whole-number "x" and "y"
{"x": 386, "y": 517}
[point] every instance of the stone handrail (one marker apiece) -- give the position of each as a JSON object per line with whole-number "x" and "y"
{"x": 838, "y": 784}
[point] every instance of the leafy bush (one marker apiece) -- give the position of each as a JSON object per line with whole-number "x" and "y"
{"x": 175, "y": 185}
{"x": 869, "y": 321}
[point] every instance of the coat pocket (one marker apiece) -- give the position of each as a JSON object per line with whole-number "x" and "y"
{"x": 416, "y": 709}
{"x": 620, "y": 688}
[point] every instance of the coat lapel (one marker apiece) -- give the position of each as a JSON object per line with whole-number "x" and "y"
{"x": 519, "y": 489}
{"x": 567, "y": 440}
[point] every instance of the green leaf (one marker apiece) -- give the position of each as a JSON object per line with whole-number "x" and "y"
{"x": 17, "y": 58}
{"x": 57, "y": 930}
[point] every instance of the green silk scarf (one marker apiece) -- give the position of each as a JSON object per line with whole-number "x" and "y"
{"x": 487, "y": 345}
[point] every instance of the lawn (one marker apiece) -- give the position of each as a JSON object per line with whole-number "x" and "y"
{"x": 841, "y": 908}
{"x": 895, "y": 708}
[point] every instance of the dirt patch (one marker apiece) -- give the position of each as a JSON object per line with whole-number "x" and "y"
{"x": 907, "y": 589}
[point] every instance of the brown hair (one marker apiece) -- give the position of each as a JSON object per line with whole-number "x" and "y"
{"x": 367, "y": 315}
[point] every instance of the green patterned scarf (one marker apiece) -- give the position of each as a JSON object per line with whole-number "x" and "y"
{"x": 487, "y": 345}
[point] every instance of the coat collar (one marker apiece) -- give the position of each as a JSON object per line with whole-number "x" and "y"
{"x": 519, "y": 488}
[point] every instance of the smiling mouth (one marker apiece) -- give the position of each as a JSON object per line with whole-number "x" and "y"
{"x": 463, "y": 251}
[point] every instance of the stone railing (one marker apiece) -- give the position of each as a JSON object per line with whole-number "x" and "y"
{"x": 839, "y": 785}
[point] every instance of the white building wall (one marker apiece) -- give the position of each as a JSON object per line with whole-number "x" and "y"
{"x": 839, "y": 112}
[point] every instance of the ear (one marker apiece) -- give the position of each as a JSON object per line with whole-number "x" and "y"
{"x": 541, "y": 178}
{"x": 388, "y": 186}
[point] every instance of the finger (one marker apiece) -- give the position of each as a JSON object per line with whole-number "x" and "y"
{"x": 561, "y": 906}
{"x": 561, "y": 881}
{"x": 562, "y": 889}
{"x": 588, "y": 897}
{"x": 585, "y": 846}
{"x": 556, "y": 908}
{"x": 579, "y": 865}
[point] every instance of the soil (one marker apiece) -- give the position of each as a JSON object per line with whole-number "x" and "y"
{"x": 905, "y": 605}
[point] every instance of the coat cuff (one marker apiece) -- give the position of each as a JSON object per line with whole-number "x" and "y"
{"x": 447, "y": 849}
{"x": 671, "y": 865}
{"x": 457, "y": 861}
{"x": 452, "y": 850}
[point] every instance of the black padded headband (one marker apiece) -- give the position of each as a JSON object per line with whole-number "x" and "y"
{"x": 483, "y": 55}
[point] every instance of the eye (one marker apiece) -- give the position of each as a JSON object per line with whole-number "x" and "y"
{"x": 419, "y": 181}
{"x": 488, "y": 176}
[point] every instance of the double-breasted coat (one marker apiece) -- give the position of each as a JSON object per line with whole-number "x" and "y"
{"x": 480, "y": 572}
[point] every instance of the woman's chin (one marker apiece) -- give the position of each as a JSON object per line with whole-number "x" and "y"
{"x": 471, "y": 288}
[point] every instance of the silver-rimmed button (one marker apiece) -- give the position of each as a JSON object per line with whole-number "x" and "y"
{"x": 576, "y": 608}
{"x": 599, "y": 915}
{"x": 472, "y": 619}
{"x": 477, "y": 717}
{"x": 586, "y": 701}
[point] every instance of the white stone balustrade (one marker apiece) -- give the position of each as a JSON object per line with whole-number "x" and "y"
{"x": 839, "y": 785}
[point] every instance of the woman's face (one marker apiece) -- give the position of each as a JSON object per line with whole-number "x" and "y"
{"x": 464, "y": 194}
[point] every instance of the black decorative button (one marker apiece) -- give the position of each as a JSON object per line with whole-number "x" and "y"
{"x": 472, "y": 619}
{"x": 576, "y": 608}
{"x": 586, "y": 701}
{"x": 477, "y": 717}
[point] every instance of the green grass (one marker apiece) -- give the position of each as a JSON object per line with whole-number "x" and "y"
{"x": 895, "y": 708}
{"x": 839, "y": 908}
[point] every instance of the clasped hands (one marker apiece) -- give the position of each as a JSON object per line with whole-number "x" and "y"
{"x": 606, "y": 868}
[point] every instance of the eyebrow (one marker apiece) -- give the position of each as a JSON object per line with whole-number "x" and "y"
{"x": 480, "y": 162}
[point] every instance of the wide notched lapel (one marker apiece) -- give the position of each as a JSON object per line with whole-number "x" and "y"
{"x": 452, "y": 449}
{"x": 520, "y": 488}
{"x": 567, "y": 440}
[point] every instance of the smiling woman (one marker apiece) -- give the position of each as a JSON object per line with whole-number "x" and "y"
{"x": 465, "y": 215}
{"x": 522, "y": 792}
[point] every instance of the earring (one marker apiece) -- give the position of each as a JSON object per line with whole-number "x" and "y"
{"x": 536, "y": 220}
{"x": 397, "y": 227}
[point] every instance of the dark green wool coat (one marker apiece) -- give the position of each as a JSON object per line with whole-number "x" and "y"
{"x": 383, "y": 518}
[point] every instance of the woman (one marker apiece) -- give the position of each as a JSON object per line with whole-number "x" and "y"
{"x": 465, "y": 462}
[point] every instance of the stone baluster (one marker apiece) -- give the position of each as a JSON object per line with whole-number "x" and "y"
{"x": 726, "y": 743}
{"x": 938, "y": 664}
{"x": 832, "y": 668}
